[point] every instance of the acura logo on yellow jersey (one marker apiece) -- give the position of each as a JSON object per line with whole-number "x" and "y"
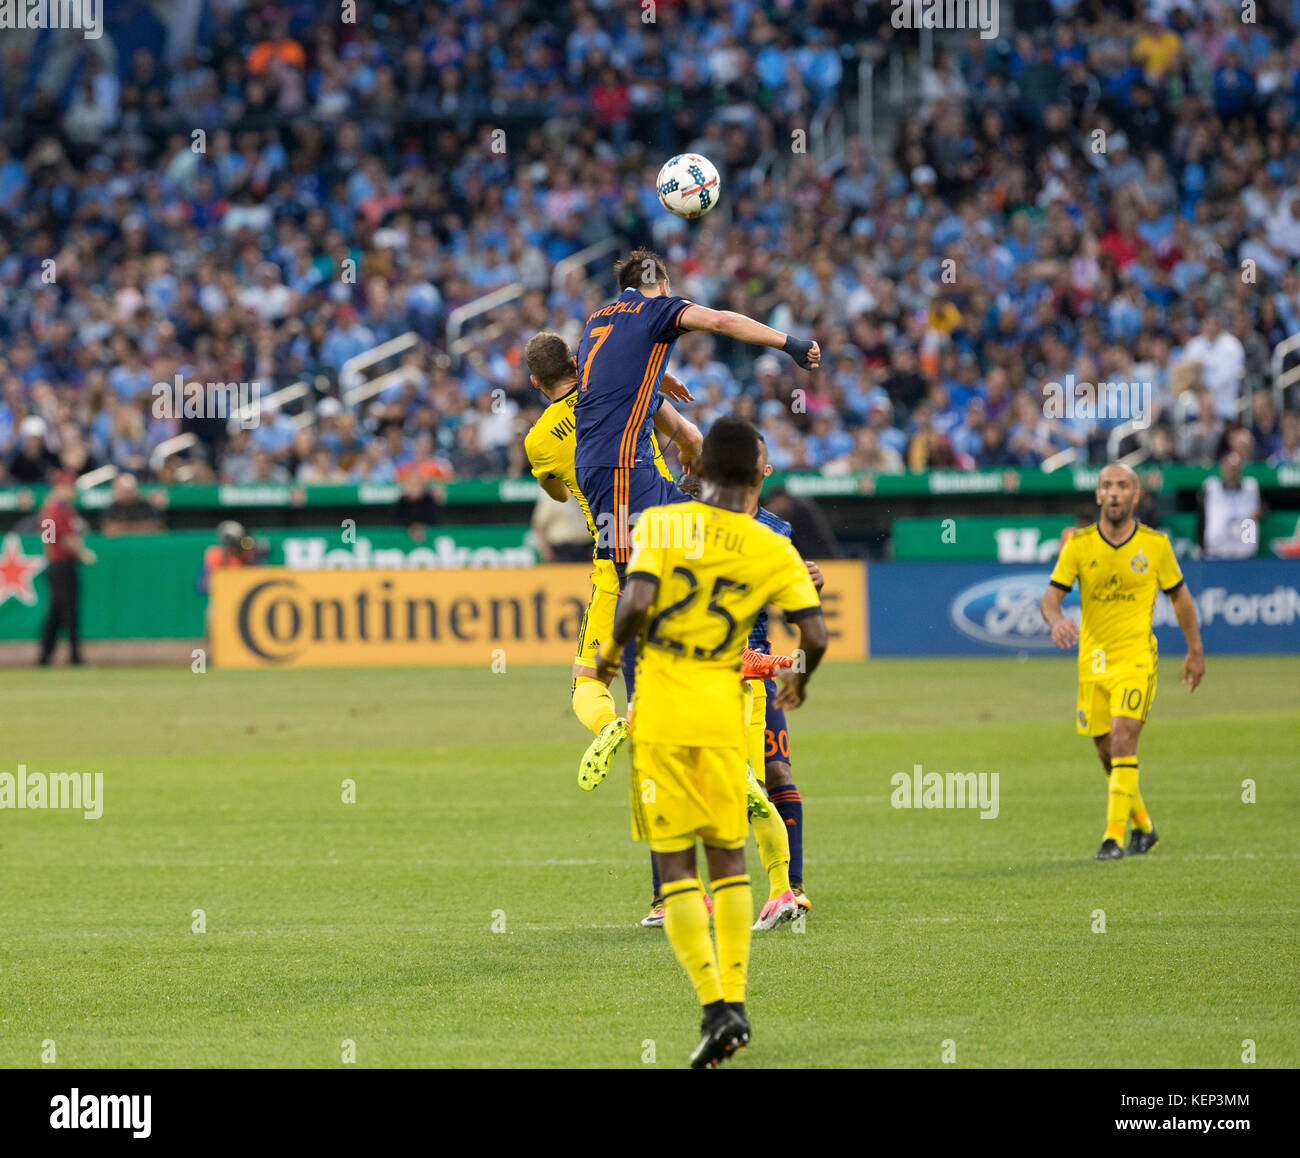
{"x": 1139, "y": 563}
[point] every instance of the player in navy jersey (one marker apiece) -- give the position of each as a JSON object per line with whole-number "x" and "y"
{"x": 621, "y": 361}
{"x": 780, "y": 844}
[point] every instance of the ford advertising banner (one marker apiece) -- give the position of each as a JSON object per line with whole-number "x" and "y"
{"x": 989, "y": 609}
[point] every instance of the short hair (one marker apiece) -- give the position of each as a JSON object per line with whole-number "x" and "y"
{"x": 549, "y": 358}
{"x": 691, "y": 484}
{"x": 730, "y": 454}
{"x": 640, "y": 268}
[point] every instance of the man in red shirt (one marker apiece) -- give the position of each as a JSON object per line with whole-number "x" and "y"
{"x": 61, "y": 531}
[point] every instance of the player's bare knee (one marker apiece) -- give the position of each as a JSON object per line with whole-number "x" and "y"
{"x": 1124, "y": 736}
{"x": 776, "y": 774}
{"x": 726, "y": 862}
{"x": 1103, "y": 751}
{"x": 676, "y": 866}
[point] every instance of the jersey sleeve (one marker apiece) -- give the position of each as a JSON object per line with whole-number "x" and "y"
{"x": 795, "y": 593}
{"x": 1066, "y": 570}
{"x": 648, "y": 553}
{"x": 1168, "y": 573}
{"x": 665, "y": 327}
{"x": 537, "y": 458}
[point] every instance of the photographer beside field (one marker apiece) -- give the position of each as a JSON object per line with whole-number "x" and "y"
{"x": 234, "y": 548}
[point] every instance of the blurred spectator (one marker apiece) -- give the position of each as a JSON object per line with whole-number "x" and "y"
{"x": 560, "y": 531}
{"x": 417, "y": 508}
{"x": 128, "y": 513}
{"x": 1230, "y": 512}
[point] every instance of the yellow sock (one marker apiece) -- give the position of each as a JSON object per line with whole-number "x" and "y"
{"x": 733, "y": 916}
{"x": 774, "y": 849}
{"x": 686, "y": 921}
{"x": 1138, "y": 812}
{"x": 1123, "y": 794}
{"x": 592, "y": 703}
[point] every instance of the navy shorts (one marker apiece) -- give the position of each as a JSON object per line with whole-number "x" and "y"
{"x": 616, "y": 496}
{"x": 776, "y": 736}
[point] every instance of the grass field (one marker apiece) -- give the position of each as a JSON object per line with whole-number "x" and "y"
{"x": 373, "y": 921}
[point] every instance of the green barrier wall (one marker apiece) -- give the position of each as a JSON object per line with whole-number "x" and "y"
{"x": 145, "y": 586}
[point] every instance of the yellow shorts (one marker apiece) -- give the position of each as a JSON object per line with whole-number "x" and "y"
{"x": 598, "y": 619}
{"x": 1126, "y": 691}
{"x": 681, "y": 794}
{"x": 755, "y": 726}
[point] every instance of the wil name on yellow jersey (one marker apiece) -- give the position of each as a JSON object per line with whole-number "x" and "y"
{"x": 551, "y": 444}
{"x": 1118, "y": 585}
{"x": 716, "y": 570}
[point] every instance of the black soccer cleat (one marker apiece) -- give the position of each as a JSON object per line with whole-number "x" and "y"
{"x": 738, "y": 1008}
{"x": 721, "y": 1034}
{"x": 1110, "y": 850}
{"x": 1140, "y": 842}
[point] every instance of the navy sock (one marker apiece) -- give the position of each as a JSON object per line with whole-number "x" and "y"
{"x": 654, "y": 874}
{"x": 789, "y": 806}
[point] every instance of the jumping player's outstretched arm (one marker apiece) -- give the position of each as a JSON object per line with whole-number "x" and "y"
{"x": 806, "y": 354}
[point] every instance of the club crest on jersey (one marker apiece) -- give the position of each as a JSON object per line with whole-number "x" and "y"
{"x": 1139, "y": 563}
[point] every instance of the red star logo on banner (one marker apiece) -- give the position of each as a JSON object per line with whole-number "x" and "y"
{"x": 17, "y": 572}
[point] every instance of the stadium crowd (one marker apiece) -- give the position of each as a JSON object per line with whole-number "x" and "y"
{"x": 259, "y": 192}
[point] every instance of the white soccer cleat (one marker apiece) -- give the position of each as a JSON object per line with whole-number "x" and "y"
{"x": 776, "y": 912}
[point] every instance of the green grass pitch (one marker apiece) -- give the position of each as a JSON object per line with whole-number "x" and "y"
{"x": 374, "y": 921}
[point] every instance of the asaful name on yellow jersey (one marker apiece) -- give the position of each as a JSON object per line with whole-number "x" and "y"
{"x": 716, "y": 571}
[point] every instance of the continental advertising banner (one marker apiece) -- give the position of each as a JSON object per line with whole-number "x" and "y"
{"x": 275, "y": 617}
{"x": 992, "y": 609}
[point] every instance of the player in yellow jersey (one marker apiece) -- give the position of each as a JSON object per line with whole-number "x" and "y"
{"x": 1121, "y": 567}
{"x": 698, "y": 576}
{"x": 550, "y": 445}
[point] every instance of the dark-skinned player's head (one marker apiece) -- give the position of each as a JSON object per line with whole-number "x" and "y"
{"x": 730, "y": 457}
{"x": 642, "y": 269}
{"x": 550, "y": 361}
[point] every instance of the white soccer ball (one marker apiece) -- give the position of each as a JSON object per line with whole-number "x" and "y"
{"x": 688, "y": 185}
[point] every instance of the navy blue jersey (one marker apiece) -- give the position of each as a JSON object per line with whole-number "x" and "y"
{"x": 758, "y": 636}
{"x": 621, "y": 361}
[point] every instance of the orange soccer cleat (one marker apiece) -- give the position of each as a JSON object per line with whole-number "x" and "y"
{"x": 755, "y": 665}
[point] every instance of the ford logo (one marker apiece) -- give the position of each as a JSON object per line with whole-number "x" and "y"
{"x": 1004, "y": 612}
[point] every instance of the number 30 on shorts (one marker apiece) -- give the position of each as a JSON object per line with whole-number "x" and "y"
{"x": 776, "y": 745}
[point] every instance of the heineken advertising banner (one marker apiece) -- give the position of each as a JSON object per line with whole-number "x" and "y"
{"x": 1016, "y": 539}
{"x": 147, "y": 586}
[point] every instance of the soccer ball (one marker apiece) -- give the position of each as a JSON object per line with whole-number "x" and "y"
{"x": 688, "y": 185}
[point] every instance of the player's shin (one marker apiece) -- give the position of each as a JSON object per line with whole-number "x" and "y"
{"x": 686, "y": 922}
{"x": 1123, "y": 795}
{"x": 733, "y": 910}
{"x": 774, "y": 850}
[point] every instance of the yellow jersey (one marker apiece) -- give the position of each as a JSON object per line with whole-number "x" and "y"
{"x": 1118, "y": 585}
{"x": 552, "y": 442}
{"x": 716, "y": 571}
